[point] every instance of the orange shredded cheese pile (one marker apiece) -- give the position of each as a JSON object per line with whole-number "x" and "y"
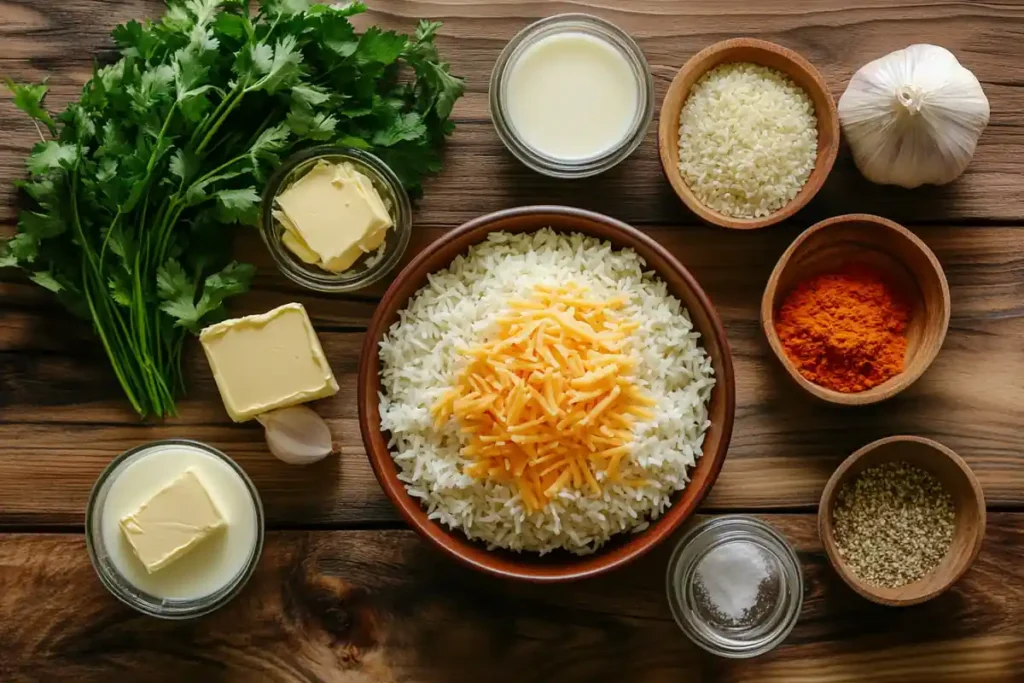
{"x": 549, "y": 401}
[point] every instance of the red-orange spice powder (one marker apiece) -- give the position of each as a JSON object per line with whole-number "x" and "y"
{"x": 845, "y": 330}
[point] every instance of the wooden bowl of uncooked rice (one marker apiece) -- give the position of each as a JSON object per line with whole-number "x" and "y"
{"x": 545, "y": 393}
{"x": 748, "y": 133}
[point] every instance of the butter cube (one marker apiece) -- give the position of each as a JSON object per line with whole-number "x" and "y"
{"x": 172, "y": 522}
{"x": 334, "y": 212}
{"x": 268, "y": 361}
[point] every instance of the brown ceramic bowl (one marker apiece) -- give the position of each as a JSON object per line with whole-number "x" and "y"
{"x": 892, "y": 249}
{"x": 556, "y": 566}
{"x": 957, "y": 478}
{"x": 767, "y": 54}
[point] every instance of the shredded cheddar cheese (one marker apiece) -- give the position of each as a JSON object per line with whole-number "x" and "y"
{"x": 549, "y": 402}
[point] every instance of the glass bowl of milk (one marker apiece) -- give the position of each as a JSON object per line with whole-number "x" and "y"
{"x": 571, "y": 95}
{"x": 211, "y": 572}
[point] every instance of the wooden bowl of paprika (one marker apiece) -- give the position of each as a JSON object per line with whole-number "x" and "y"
{"x": 856, "y": 309}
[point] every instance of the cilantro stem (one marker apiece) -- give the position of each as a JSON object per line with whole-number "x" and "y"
{"x": 126, "y": 172}
{"x": 115, "y": 364}
{"x": 217, "y": 170}
{"x": 236, "y": 95}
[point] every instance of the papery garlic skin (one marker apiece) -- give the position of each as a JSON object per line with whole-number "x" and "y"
{"x": 913, "y": 117}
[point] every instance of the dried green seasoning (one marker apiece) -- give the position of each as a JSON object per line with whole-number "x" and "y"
{"x": 893, "y": 524}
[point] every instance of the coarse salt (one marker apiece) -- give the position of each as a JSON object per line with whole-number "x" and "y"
{"x": 731, "y": 577}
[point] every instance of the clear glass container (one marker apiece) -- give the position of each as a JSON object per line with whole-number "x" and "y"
{"x": 118, "y": 584}
{"x": 757, "y": 620}
{"x": 571, "y": 23}
{"x": 369, "y": 268}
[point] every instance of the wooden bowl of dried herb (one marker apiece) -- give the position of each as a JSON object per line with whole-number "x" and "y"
{"x": 902, "y": 519}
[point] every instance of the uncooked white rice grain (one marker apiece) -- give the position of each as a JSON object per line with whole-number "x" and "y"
{"x": 748, "y": 140}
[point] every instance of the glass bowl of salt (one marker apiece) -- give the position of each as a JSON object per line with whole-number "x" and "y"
{"x": 735, "y": 586}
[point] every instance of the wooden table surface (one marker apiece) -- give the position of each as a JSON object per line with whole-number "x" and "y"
{"x": 344, "y": 592}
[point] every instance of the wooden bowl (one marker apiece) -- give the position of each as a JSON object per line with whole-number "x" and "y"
{"x": 556, "y": 566}
{"x": 892, "y": 249}
{"x": 767, "y": 54}
{"x": 957, "y": 478}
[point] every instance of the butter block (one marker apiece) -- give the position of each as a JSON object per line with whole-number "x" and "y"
{"x": 267, "y": 361}
{"x": 335, "y": 212}
{"x": 172, "y": 522}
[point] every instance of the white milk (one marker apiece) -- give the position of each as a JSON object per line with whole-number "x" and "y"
{"x": 571, "y": 96}
{"x": 212, "y": 563}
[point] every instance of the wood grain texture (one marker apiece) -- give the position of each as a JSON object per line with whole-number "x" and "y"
{"x": 380, "y": 606}
{"x": 62, "y": 417}
{"x": 835, "y": 35}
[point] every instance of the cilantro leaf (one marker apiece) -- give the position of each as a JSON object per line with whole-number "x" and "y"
{"x": 305, "y": 123}
{"x": 135, "y": 40}
{"x": 232, "y": 25}
{"x": 238, "y": 206}
{"x": 46, "y": 280}
{"x": 21, "y": 249}
{"x": 278, "y": 8}
{"x": 51, "y": 155}
{"x": 130, "y": 202}
{"x": 283, "y": 70}
{"x": 171, "y": 281}
{"x": 29, "y": 99}
{"x": 120, "y": 289}
{"x": 178, "y": 292}
{"x": 449, "y": 88}
{"x": 312, "y": 95}
{"x": 177, "y": 295}
{"x": 406, "y": 127}
{"x": 234, "y": 278}
{"x": 411, "y": 162}
{"x": 337, "y": 34}
{"x": 353, "y": 141}
{"x": 426, "y": 31}
{"x": 184, "y": 165}
{"x": 381, "y": 47}
{"x": 42, "y": 226}
{"x": 347, "y": 9}
{"x": 268, "y": 144}
{"x": 189, "y": 72}
{"x": 7, "y": 257}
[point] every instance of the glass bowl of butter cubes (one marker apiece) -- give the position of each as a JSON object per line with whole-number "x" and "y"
{"x": 335, "y": 219}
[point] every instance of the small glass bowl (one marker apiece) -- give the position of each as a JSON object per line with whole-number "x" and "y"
{"x": 369, "y": 268}
{"x": 118, "y": 584}
{"x": 571, "y": 23}
{"x": 778, "y": 600}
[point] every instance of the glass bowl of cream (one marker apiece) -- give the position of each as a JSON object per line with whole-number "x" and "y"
{"x": 571, "y": 95}
{"x": 335, "y": 219}
{"x": 174, "y": 528}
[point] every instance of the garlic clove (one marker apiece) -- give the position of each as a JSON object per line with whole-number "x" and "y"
{"x": 297, "y": 435}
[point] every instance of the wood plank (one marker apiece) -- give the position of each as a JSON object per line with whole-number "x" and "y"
{"x": 62, "y": 417}
{"x": 381, "y": 606}
{"x": 480, "y": 176}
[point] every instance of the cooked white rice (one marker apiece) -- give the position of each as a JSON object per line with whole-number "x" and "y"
{"x": 420, "y": 359}
{"x": 748, "y": 140}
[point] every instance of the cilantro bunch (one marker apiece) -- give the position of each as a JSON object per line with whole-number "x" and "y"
{"x": 134, "y": 195}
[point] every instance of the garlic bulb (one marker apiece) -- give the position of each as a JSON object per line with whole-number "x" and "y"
{"x": 913, "y": 117}
{"x": 297, "y": 435}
